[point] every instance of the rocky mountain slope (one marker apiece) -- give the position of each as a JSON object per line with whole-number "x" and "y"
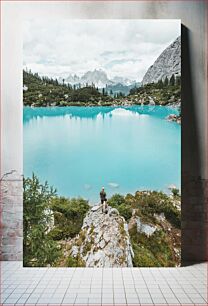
{"x": 138, "y": 230}
{"x": 102, "y": 242}
{"x": 167, "y": 64}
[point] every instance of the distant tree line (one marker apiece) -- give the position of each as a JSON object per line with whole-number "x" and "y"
{"x": 173, "y": 83}
{"x": 45, "y": 91}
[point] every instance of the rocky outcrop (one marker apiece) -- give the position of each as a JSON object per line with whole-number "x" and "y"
{"x": 142, "y": 227}
{"x": 174, "y": 118}
{"x": 103, "y": 240}
{"x": 167, "y": 64}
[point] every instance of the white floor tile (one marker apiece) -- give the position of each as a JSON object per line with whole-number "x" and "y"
{"x": 186, "y": 285}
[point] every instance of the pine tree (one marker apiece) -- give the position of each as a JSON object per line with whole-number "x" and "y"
{"x": 160, "y": 83}
{"x": 166, "y": 82}
{"x": 39, "y": 248}
{"x": 178, "y": 81}
{"x": 172, "y": 80}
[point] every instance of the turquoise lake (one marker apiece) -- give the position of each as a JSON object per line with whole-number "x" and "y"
{"x": 80, "y": 149}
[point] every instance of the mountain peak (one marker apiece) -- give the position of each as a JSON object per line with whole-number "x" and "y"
{"x": 167, "y": 64}
{"x": 98, "y": 77}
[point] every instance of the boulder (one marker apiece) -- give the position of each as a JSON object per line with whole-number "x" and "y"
{"x": 144, "y": 227}
{"x": 174, "y": 118}
{"x": 113, "y": 212}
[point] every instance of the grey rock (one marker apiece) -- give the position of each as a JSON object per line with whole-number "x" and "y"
{"x": 105, "y": 240}
{"x": 75, "y": 251}
{"x": 145, "y": 228}
{"x": 167, "y": 64}
{"x": 174, "y": 118}
{"x": 113, "y": 212}
{"x": 102, "y": 244}
{"x": 94, "y": 208}
{"x": 106, "y": 237}
{"x": 160, "y": 217}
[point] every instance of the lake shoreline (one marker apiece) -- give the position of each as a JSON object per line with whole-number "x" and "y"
{"x": 173, "y": 105}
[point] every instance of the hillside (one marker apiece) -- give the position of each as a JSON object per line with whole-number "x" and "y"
{"x": 160, "y": 93}
{"x": 154, "y": 226}
{"x": 120, "y": 89}
{"x": 43, "y": 91}
{"x": 138, "y": 230}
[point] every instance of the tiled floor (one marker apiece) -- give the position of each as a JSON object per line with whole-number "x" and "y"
{"x": 73, "y": 286}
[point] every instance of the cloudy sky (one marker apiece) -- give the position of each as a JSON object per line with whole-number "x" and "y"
{"x": 123, "y": 48}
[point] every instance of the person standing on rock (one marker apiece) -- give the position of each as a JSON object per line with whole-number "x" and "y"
{"x": 103, "y": 200}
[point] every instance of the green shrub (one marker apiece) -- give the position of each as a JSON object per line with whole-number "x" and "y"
{"x": 39, "y": 248}
{"x": 157, "y": 202}
{"x": 116, "y": 200}
{"x": 175, "y": 192}
{"x": 56, "y": 234}
{"x": 68, "y": 215}
{"x": 71, "y": 261}
{"x": 87, "y": 248}
{"x": 125, "y": 211}
{"x": 75, "y": 262}
{"x": 173, "y": 215}
{"x": 154, "y": 250}
{"x": 143, "y": 257}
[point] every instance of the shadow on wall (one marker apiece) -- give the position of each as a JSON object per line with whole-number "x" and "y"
{"x": 194, "y": 234}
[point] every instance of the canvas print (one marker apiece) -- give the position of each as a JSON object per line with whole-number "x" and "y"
{"x": 102, "y": 143}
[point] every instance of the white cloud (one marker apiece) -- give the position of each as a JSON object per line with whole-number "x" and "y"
{"x": 120, "y": 47}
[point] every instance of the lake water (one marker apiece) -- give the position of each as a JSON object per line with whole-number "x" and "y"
{"x": 80, "y": 149}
